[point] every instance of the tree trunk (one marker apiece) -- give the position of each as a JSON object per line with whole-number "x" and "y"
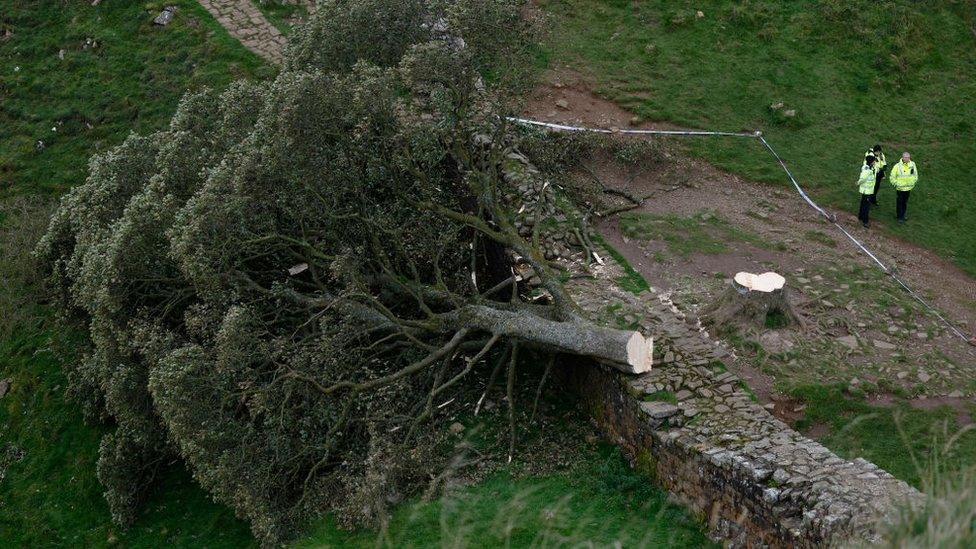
{"x": 627, "y": 351}
{"x": 754, "y": 301}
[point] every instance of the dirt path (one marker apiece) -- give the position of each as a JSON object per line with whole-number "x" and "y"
{"x": 246, "y": 23}
{"x": 896, "y": 346}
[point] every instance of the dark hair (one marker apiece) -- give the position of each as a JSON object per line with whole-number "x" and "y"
{"x": 869, "y": 159}
{"x": 876, "y": 148}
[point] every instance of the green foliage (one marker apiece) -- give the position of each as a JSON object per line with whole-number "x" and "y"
{"x": 255, "y": 278}
{"x": 894, "y": 72}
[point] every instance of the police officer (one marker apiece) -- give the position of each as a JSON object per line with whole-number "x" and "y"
{"x": 865, "y": 184}
{"x": 904, "y": 176}
{"x": 879, "y": 169}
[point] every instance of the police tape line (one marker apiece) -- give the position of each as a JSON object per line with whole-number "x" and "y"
{"x": 755, "y": 135}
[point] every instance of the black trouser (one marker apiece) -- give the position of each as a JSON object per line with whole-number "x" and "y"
{"x": 862, "y": 213}
{"x": 878, "y": 178}
{"x": 902, "y": 204}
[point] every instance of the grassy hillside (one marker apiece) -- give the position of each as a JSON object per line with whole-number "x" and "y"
{"x": 117, "y": 73}
{"x": 857, "y": 72}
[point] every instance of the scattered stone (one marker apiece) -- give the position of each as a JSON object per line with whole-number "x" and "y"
{"x": 699, "y": 14}
{"x": 776, "y": 106}
{"x": 955, "y": 394}
{"x": 4, "y": 387}
{"x": 896, "y": 312}
{"x": 456, "y": 428}
{"x": 901, "y": 375}
{"x": 683, "y": 394}
{"x": 774, "y": 343}
{"x": 659, "y": 410}
{"x": 789, "y": 113}
{"x": 848, "y": 341}
{"x": 771, "y": 406}
{"x": 562, "y": 104}
{"x": 722, "y": 409}
{"x": 883, "y": 345}
{"x": 165, "y": 17}
{"x": 923, "y": 377}
{"x": 635, "y": 120}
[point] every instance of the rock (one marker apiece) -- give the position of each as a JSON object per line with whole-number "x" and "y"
{"x": 165, "y": 17}
{"x": 4, "y": 387}
{"x": 789, "y": 113}
{"x": 775, "y": 344}
{"x": 896, "y": 312}
{"x": 883, "y": 345}
{"x": 923, "y": 377}
{"x": 855, "y": 382}
{"x": 955, "y": 394}
{"x": 699, "y": 14}
{"x": 562, "y": 104}
{"x": 635, "y": 120}
{"x": 901, "y": 375}
{"x": 771, "y": 406}
{"x": 781, "y": 476}
{"x": 456, "y": 428}
{"x": 683, "y": 394}
{"x": 776, "y": 106}
{"x": 722, "y": 409}
{"x": 848, "y": 341}
{"x": 659, "y": 410}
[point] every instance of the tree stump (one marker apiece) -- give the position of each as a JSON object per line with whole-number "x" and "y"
{"x": 754, "y": 301}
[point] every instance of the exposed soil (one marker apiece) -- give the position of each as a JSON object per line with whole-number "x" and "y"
{"x": 906, "y": 348}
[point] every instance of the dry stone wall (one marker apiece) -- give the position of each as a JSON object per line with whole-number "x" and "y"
{"x": 692, "y": 426}
{"x": 245, "y": 22}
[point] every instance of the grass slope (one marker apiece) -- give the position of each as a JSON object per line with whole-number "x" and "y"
{"x": 910, "y": 443}
{"x": 119, "y": 73}
{"x": 598, "y": 502}
{"x": 857, "y": 72}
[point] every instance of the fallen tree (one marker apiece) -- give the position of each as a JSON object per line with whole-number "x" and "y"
{"x": 282, "y": 286}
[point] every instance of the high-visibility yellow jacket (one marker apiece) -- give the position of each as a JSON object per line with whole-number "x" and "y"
{"x": 879, "y": 160}
{"x": 865, "y": 183}
{"x": 904, "y": 176}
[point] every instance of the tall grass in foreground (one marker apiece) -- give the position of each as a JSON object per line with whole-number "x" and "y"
{"x": 947, "y": 518}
